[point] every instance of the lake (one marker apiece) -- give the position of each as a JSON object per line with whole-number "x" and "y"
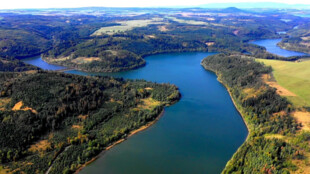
{"x": 199, "y": 134}
{"x": 271, "y": 46}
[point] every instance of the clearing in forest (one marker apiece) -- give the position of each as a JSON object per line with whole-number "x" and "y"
{"x": 83, "y": 60}
{"x": 20, "y": 106}
{"x": 3, "y": 102}
{"x": 303, "y": 118}
{"x": 40, "y": 146}
{"x": 127, "y": 25}
{"x": 148, "y": 104}
{"x": 294, "y": 77}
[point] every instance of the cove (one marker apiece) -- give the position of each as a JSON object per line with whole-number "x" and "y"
{"x": 199, "y": 134}
{"x": 272, "y": 47}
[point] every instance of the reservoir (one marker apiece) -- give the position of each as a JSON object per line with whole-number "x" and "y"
{"x": 272, "y": 47}
{"x": 199, "y": 134}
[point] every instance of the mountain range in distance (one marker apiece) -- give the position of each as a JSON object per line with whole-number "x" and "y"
{"x": 256, "y": 5}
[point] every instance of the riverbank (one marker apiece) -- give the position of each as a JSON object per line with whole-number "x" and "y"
{"x": 133, "y": 132}
{"x": 80, "y": 62}
{"x": 238, "y": 108}
{"x": 262, "y": 109}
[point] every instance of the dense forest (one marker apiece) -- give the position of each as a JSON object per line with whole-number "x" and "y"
{"x": 15, "y": 66}
{"x": 265, "y": 113}
{"x": 59, "y": 122}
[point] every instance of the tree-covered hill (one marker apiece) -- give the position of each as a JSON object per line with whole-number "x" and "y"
{"x": 7, "y": 65}
{"x": 123, "y": 41}
{"x": 61, "y": 121}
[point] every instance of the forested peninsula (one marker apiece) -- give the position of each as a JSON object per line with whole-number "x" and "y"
{"x": 57, "y": 122}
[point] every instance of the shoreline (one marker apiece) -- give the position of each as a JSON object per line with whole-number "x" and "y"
{"x": 131, "y": 133}
{"x": 237, "y": 108}
{"x": 243, "y": 118}
{"x": 232, "y": 98}
{"x": 45, "y": 59}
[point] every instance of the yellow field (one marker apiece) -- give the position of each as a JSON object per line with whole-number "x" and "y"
{"x": 40, "y": 146}
{"x": 127, "y": 25}
{"x": 20, "y": 106}
{"x": 293, "y": 76}
{"x": 83, "y": 60}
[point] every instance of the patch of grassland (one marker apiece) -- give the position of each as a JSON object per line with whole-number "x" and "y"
{"x": 20, "y": 106}
{"x": 191, "y": 22}
{"x": 127, "y": 25}
{"x": 3, "y": 171}
{"x": 40, "y": 146}
{"x": 3, "y": 102}
{"x": 148, "y": 104}
{"x": 83, "y": 60}
{"x": 252, "y": 92}
{"x": 295, "y": 77}
{"x": 304, "y": 118}
{"x": 277, "y": 136}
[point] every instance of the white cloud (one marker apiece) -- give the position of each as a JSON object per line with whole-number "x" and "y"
{"x": 13, "y": 4}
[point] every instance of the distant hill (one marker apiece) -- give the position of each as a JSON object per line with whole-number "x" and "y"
{"x": 232, "y": 10}
{"x": 255, "y": 5}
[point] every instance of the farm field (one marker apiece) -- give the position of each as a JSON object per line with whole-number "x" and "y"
{"x": 127, "y": 25}
{"x": 293, "y": 76}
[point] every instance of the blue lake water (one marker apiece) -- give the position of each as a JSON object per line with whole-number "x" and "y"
{"x": 271, "y": 46}
{"x": 199, "y": 134}
{"x": 37, "y": 61}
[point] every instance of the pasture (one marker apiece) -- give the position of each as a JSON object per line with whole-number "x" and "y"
{"x": 293, "y": 76}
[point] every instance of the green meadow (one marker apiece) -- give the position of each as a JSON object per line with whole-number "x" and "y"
{"x": 295, "y": 77}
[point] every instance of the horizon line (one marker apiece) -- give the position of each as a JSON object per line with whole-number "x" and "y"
{"x": 176, "y": 7}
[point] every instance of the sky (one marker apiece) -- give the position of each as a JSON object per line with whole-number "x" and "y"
{"x": 20, "y": 4}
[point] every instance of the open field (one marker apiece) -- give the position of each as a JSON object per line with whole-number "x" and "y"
{"x": 304, "y": 118}
{"x": 127, "y": 25}
{"x": 82, "y": 60}
{"x": 293, "y": 76}
{"x": 280, "y": 90}
{"x": 190, "y": 22}
{"x": 20, "y": 106}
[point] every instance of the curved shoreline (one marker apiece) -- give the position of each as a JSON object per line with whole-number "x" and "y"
{"x": 133, "y": 132}
{"x": 149, "y": 124}
{"x": 125, "y": 69}
{"x": 237, "y": 108}
{"x": 243, "y": 118}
